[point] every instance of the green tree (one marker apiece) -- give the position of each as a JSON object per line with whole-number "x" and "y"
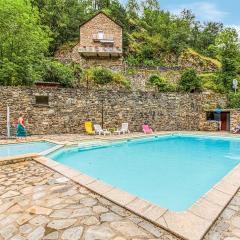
{"x": 228, "y": 48}
{"x": 161, "y": 83}
{"x": 54, "y": 71}
{"x": 23, "y": 43}
{"x": 190, "y": 81}
{"x": 63, "y": 18}
{"x": 132, "y": 8}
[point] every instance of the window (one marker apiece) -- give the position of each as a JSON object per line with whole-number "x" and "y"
{"x": 212, "y": 116}
{"x": 100, "y": 35}
{"x": 42, "y": 100}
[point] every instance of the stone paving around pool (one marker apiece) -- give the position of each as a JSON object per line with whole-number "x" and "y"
{"x": 37, "y": 203}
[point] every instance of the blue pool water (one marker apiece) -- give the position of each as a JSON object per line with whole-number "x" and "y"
{"x": 170, "y": 171}
{"x": 23, "y": 148}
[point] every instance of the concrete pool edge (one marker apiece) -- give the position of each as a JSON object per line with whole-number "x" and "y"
{"x": 191, "y": 224}
{"x": 17, "y": 158}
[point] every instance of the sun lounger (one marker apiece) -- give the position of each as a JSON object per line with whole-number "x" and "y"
{"x": 98, "y": 129}
{"x": 124, "y": 129}
{"x": 147, "y": 129}
{"x": 89, "y": 127}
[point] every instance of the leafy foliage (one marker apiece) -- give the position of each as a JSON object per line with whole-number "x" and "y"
{"x": 23, "y": 43}
{"x": 190, "y": 81}
{"x": 234, "y": 100}
{"x": 103, "y": 76}
{"x": 228, "y": 49}
{"x": 161, "y": 83}
{"x": 55, "y": 71}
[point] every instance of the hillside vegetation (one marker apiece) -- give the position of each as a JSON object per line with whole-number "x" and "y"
{"x": 31, "y": 31}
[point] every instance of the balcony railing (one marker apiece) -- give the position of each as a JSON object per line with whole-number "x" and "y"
{"x": 104, "y": 38}
{"x": 100, "y": 51}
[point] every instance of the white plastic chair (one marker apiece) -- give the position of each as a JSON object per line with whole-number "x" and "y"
{"x": 98, "y": 129}
{"x": 124, "y": 129}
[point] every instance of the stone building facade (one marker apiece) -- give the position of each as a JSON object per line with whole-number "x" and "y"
{"x": 65, "y": 110}
{"x": 100, "y": 42}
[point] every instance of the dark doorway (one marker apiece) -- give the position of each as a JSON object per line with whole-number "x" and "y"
{"x": 225, "y": 121}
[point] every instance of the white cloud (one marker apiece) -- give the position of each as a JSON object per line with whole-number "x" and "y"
{"x": 204, "y": 11}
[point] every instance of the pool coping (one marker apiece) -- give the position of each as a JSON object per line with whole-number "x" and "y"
{"x": 191, "y": 224}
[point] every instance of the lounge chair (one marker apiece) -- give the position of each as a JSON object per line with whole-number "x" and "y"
{"x": 98, "y": 129}
{"x": 124, "y": 129}
{"x": 236, "y": 129}
{"x": 147, "y": 129}
{"x": 89, "y": 127}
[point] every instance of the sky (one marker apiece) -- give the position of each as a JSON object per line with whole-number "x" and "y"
{"x": 226, "y": 11}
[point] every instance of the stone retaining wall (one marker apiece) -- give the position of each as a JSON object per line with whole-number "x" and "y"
{"x": 69, "y": 108}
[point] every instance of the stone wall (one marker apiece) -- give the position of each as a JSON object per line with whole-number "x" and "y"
{"x": 69, "y": 108}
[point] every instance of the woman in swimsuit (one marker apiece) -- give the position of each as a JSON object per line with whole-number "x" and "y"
{"x": 21, "y": 129}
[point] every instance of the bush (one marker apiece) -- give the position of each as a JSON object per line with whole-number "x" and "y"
{"x": 161, "y": 83}
{"x": 190, "y": 82}
{"x": 234, "y": 100}
{"x": 102, "y": 75}
{"x": 210, "y": 81}
{"x": 58, "y": 72}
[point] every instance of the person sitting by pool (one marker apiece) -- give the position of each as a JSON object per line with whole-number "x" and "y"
{"x": 237, "y": 129}
{"x": 21, "y": 129}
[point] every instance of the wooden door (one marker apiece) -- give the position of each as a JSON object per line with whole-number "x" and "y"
{"x": 224, "y": 121}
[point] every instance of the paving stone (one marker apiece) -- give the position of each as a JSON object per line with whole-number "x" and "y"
{"x": 82, "y": 212}
{"x": 61, "y": 180}
{"x": 61, "y": 213}
{"x": 39, "y": 210}
{"x": 25, "y": 229}
{"x": 128, "y": 229}
{"x": 61, "y": 223}
{"x": 8, "y": 231}
{"x": 5, "y": 206}
{"x": 90, "y": 221}
{"x": 150, "y": 228}
{"x": 37, "y": 234}
{"x": 39, "y": 220}
{"x": 74, "y": 233}
{"x": 24, "y": 218}
{"x": 51, "y": 236}
{"x": 99, "y": 233}
{"x": 14, "y": 209}
{"x": 38, "y": 195}
{"x": 228, "y": 213}
{"x": 231, "y": 238}
{"x": 18, "y": 237}
{"x": 110, "y": 217}
{"x": 236, "y": 221}
{"x": 88, "y": 202}
{"x": 235, "y": 232}
{"x": 9, "y": 219}
{"x": 100, "y": 209}
{"x": 10, "y": 194}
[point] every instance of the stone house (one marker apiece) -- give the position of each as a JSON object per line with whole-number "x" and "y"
{"x": 100, "y": 42}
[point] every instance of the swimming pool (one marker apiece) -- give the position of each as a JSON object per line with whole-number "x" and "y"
{"x": 171, "y": 171}
{"x": 23, "y": 148}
